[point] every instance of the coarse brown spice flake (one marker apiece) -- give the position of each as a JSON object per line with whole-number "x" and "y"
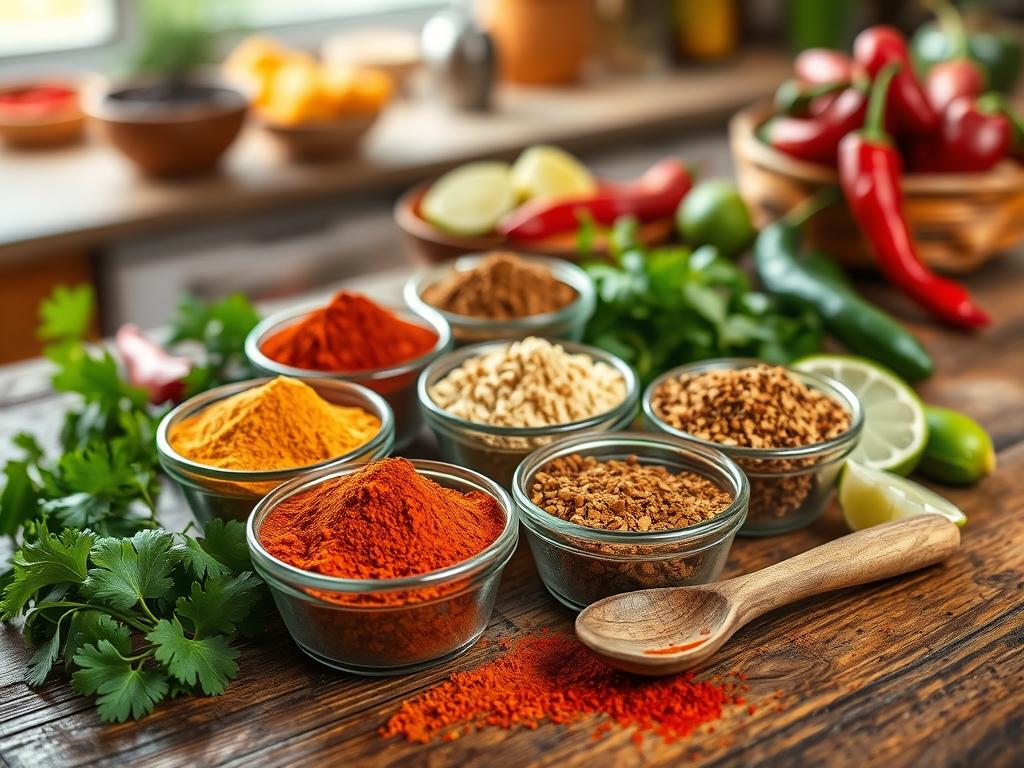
{"x": 618, "y": 495}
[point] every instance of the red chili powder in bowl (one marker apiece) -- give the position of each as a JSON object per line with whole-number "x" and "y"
{"x": 351, "y": 333}
{"x": 555, "y": 678}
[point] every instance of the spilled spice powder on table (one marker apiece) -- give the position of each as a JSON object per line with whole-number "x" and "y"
{"x": 352, "y": 333}
{"x": 278, "y": 425}
{"x": 502, "y": 286}
{"x": 555, "y": 678}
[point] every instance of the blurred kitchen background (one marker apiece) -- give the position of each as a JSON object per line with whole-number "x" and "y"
{"x": 110, "y": 173}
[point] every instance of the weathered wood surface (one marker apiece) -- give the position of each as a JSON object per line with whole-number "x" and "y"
{"x": 923, "y": 670}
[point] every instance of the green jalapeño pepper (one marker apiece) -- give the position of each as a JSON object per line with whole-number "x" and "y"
{"x": 814, "y": 280}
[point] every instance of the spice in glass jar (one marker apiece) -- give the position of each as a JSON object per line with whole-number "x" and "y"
{"x": 502, "y": 286}
{"x": 352, "y": 333}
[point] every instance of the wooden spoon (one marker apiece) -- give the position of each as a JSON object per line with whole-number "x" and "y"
{"x": 663, "y": 631}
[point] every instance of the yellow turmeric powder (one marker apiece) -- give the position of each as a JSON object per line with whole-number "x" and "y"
{"x": 279, "y": 425}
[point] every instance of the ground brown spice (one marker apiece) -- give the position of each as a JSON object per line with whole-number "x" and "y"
{"x": 554, "y": 678}
{"x": 501, "y": 287}
{"x": 625, "y": 495}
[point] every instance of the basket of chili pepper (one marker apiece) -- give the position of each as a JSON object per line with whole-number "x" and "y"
{"x": 488, "y": 206}
{"x": 957, "y": 153}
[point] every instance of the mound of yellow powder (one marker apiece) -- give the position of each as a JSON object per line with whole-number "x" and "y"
{"x": 279, "y": 425}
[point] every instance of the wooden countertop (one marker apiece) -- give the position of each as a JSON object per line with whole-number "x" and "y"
{"x": 88, "y": 195}
{"x": 925, "y": 669}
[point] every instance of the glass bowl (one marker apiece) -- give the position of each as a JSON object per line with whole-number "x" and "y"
{"x": 231, "y": 494}
{"x": 565, "y": 323}
{"x": 496, "y": 451}
{"x": 580, "y": 565}
{"x": 387, "y": 626}
{"x": 396, "y": 384}
{"x": 789, "y": 487}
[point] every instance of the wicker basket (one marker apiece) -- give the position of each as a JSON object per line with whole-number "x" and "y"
{"x": 959, "y": 221}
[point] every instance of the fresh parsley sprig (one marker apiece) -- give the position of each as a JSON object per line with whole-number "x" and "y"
{"x": 220, "y": 329}
{"x": 136, "y": 619}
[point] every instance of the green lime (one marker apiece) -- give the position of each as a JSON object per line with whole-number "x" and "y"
{"x": 895, "y": 431}
{"x": 871, "y": 497}
{"x": 550, "y": 172}
{"x": 471, "y": 199}
{"x": 713, "y": 213}
{"x": 959, "y": 450}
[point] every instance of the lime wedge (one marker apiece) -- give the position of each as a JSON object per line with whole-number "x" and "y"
{"x": 470, "y": 199}
{"x": 550, "y": 172}
{"x": 895, "y": 430}
{"x": 871, "y": 497}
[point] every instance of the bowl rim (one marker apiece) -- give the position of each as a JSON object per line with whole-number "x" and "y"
{"x": 563, "y": 271}
{"x": 96, "y": 104}
{"x": 287, "y": 317}
{"x": 826, "y": 384}
{"x": 451, "y": 360}
{"x": 732, "y": 516}
{"x": 743, "y": 137}
{"x": 480, "y": 562}
{"x": 203, "y": 400}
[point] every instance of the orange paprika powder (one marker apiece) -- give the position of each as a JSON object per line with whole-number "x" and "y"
{"x": 351, "y": 333}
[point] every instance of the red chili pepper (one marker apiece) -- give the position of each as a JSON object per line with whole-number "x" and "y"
{"x": 909, "y": 109}
{"x": 958, "y": 75}
{"x": 816, "y": 139}
{"x": 821, "y": 66}
{"x": 969, "y": 140}
{"x": 996, "y": 103}
{"x": 151, "y": 367}
{"x": 654, "y": 195}
{"x": 869, "y": 171}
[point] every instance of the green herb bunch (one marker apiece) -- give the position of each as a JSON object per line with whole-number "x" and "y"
{"x": 136, "y": 620}
{"x": 662, "y": 307}
{"x": 219, "y": 329}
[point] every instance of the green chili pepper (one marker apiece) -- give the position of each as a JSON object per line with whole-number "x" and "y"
{"x": 813, "y": 279}
{"x": 996, "y": 51}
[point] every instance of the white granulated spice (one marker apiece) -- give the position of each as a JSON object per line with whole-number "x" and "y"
{"x": 529, "y": 383}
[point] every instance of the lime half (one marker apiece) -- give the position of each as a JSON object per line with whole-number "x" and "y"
{"x": 895, "y": 430}
{"x": 550, "y": 172}
{"x": 470, "y": 199}
{"x": 871, "y": 497}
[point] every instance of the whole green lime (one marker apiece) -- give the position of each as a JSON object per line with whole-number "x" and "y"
{"x": 715, "y": 214}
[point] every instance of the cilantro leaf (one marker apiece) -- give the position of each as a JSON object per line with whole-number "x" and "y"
{"x": 221, "y": 328}
{"x": 19, "y": 501}
{"x": 221, "y": 603}
{"x": 129, "y": 570}
{"x": 88, "y": 626}
{"x": 225, "y": 540}
{"x": 46, "y": 561}
{"x": 211, "y": 660}
{"x": 46, "y": 654}
{"x": 197, "y": 560}
{"x": 121, "y": 690}
{"x": 66, "y": 314}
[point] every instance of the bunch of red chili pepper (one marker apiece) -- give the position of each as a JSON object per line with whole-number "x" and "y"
{"x": 865, "y": 114}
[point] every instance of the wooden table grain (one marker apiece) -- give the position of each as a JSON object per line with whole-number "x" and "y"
{"x": 923, "y": 670}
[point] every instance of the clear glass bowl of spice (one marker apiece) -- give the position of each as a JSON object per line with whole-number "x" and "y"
{"x": 490, "y": 405}
{"x": 789, "y": 431}
{"x": 384, "y": 569}
{"x": 612, "y": 513}
{"x": 499, "y": 295}
{"x": 357, "y": 340}
{"x": 218, "y": 445}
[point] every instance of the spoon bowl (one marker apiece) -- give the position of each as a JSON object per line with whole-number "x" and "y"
{"x": 664, "y": 631}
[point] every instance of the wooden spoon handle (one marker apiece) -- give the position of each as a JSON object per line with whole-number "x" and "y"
{"x": 875, "y": 553}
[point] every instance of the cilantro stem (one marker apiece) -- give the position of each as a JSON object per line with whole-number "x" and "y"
{"x": 125, "y": 617}
{"x": 145, "y": 608}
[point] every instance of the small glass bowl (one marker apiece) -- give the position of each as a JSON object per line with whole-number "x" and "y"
{"x": 565, "y": 323}
{"x": 231, "y": 494}
{"x": 396, "y": 384}
{"x": 580, "y": 565}
{"x": 496, "y": 451}
{"x": 387, "y": 626}
{"x": 789, "y": 487}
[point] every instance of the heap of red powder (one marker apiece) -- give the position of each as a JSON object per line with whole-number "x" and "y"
{"x": 555, "y": 678}
{"x": 351, "y": 333}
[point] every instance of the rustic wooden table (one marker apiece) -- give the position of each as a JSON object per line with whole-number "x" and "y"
{"x": 925, "y": 670}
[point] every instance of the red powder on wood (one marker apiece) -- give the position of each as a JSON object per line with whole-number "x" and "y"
{"x": 555, "y": 678}
{"x": 351, "y": 333}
